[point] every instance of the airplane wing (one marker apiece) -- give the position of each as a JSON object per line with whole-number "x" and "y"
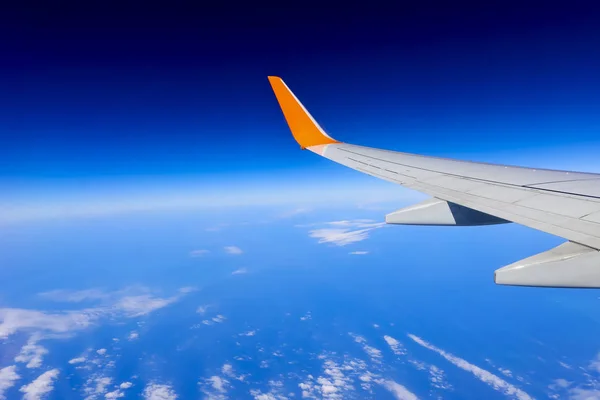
{"x": 463, "y": 193}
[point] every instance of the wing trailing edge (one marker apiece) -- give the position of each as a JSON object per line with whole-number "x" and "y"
{"x": 441, "y": 213}
{"x": 569, "y": 265}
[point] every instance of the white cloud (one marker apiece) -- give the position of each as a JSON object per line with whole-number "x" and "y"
{"x": 115, "y": 394}
{"x": 395, "y": 345}
{"x": 119, "y": 392}
{"x": 199, "y": 253}
{"x": 135, "y": 306}
{"x": 239, "y": 271}
{"x": 122, "y": 303}
{"x": 42, "y": 385}
{"x": 438, "y": 378}
{"x": 595, "y": 364}
{"x": 154, "y": 391}
{"x": 215, "y": 387}
{"x": 306, "y": 316}
{"x": 97, "y": 385}
{"x": 233, "y": 250}
{"x": 565, "y": 365}
{"x": 487, "y": 377}
{"x": 275, "y": 392}
{"x": 342, "y": 233}
{"x": 227, "y": 370}
{"x": 584, "y": 394}
{"x": 219, "y": 318}
{"x": 399, "y": 391}
{"x": 359, "y": 253}
{"x": 202, "y": 309}
{"x": 8, "y": 377}
{"x": 249, "y": 333}
{"x": 295, "y": 212}
{"x": 133, "y": 335}
{"x": 101, "y": 351}
{"x": 374, "y": 353}
{"x": 15, "y": 319}
{"x": 77, "y": 360}
{"x": 32, "y": 354}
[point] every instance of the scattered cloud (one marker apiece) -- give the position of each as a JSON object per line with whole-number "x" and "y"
{"x": 595, "y": 364}
{"x": 32, "y": 354}
{"x": 437, "y": 377}
{"x": 227, "y": 370}
{"x": 202, "y": 309}
{"x": 125, "y": 385}
{"x": 395, "y": 345}
{"x": 275, "y": 392}
{"x": 199, "y": 253}
{"x": 101, "y": 352}
{"x": 374, "y": 353}
{"x": 239, "y": 271}
{"x": 333, "y": 384}
{"x": 129, "y": 302}
{"x": 77, "y": 360}
{"x": 249, "y": 333}
{"x": 342, "y": 233}
{"x": 233, "y": 250}
{"x": 215, "y": 387}
{"x": 295, "y": 212}
{"x": 399, "y": 391}
{"x": 133, "y": 335}
{"x": 154, "y": 391}
{"x": 41, "y": 386}
{"x": 306, "y": 316}
{"x": 487, "y": 377}
{"x": 219, "y": 318}
{"x": 214, "y": 320}
{"x": 359, "y": 253}
{"x": 8, "y": 377}
{"x": 136, "y": 306}
{"x": 96, "y": 385}
{"x": 187, "y": 289}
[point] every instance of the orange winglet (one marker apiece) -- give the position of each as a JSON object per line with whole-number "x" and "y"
{"x": 305, "y": 129}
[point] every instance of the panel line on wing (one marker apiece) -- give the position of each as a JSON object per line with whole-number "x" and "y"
{"x": 475, "y": 179}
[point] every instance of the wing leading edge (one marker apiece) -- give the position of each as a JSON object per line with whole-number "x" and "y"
{"x": 464, "y": 193}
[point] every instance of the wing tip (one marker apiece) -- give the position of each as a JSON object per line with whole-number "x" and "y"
{"x": 305, "y": 129}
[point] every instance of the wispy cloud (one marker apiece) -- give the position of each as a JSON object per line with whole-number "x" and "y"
{"x": 203, "y": 309}
{"x": 199, "y": 253}
{"x": 41, "y": 386}
{"x": 8, "y": 377}
{"x": 133, "y": 335}
{"x": 359, "y": 253}
{"x": 77, "y": 360}
{"x": 487, "y": 377}
{"x": 374, "y": 353}
{"x": 400, "y": 392}
{"x": 295, "y": 212}
{"x": 128, "y": 303}
{"x": 155, "y": 391}
{"x": 342, "y": 233}
{"x": 233, "y": 250}
{"x": 239, "y": 271}
{"x": 32, "y": 353}
{"x": 395, "y": 345}
{"x": 215, "y": 387}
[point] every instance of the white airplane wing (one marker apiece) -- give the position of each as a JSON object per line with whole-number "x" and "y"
{"x": 562, "y": 203}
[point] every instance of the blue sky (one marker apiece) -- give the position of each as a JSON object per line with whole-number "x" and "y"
{"x": 123, "y": 105}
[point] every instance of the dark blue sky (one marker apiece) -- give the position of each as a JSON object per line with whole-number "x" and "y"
{"x": 140, "y": 91}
